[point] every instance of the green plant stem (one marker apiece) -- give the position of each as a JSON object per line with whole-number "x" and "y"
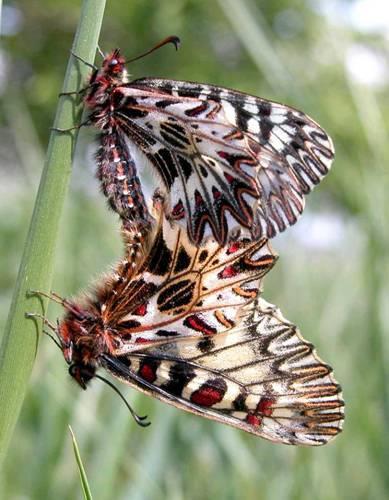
{"x": 20, "y": 338}
{"x": 83, "y": 478}
{"x": 1, "y": 8}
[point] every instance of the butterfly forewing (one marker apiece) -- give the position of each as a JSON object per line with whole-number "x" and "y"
{"x": 221, "y": 159}
{"x": 262, "y": 377}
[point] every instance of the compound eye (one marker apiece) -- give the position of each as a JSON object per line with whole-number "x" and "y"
{"x": 114, "y": 62}
{"x": 73, "y": 370}
{"x": 76, "y": 371}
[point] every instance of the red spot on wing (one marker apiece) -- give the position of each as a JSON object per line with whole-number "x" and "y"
{"x": 234, "y": 247}
{"x": 253, "y": 420}
{"x": 148, "y": 372}
{"x": 229, "y": 178}
{"x": 197, "y": 110}
{"x": 264, "y": 407}
{"x": 142, "y": 340}
{"x": 228, "y": 272}
{"x": 178, "y": 211}
{"x": 206, "y": 396}
{"x": 199, "y": 202}
{"x": 141, "y": 310}
{"x": 196, "y": 323}
{"x": 216, "y": 193}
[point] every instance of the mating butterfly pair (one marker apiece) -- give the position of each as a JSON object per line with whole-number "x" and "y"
{"x": 201, "y": 177}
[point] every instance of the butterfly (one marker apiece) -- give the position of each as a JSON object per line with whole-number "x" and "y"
{"x": 217, "y": 159}
{"x": 188, "y": 326}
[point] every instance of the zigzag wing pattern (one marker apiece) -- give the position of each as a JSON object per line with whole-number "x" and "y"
{"x": 181, "y": 290}
{"x": 220, "y": 158}
{"x": 261, "y": 377}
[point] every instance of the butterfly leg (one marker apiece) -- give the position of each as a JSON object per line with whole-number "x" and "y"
{"x": 48, "y": 323}
{"x": 75, "y": 92}
{"x": 52, "y": 296}
{"x": 66, "y": 304}
{"x": 79, "y": 58}
{"x": 86, "y": 123}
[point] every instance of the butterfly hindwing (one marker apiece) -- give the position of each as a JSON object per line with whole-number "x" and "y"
{"x": 262, "y": 377}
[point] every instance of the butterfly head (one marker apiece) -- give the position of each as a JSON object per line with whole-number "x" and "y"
{"x": 101, "y": 82}
{"x": 113, "y": 67}
{"x": 80, "y": 339}
{"x": 82, "y": 374}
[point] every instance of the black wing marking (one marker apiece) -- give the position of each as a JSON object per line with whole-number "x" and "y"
{"x": 261, "y": 377}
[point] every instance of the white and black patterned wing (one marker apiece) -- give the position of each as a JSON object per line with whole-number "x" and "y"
{"x": 221, "y": 158}
{"x": 182, "y": 290}
{"x": 261, "y": 377}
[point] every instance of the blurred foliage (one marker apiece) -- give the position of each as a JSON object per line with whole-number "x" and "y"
{"x": 331, "y": 278}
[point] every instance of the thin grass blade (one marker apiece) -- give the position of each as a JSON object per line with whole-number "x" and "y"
{"x": 84, "y": 480}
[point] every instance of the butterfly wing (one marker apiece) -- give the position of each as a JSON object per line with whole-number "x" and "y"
{"x": 261, "y": 377}
{"x": 222, "y": 158}
{"x": 182, "y": 290}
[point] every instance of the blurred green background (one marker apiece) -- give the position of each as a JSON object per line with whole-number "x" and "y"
{"x": 326, "y": 57}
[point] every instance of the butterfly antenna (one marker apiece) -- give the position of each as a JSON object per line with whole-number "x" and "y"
{"x": 138, "y": 419}
{"x": 170, "y": 39}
